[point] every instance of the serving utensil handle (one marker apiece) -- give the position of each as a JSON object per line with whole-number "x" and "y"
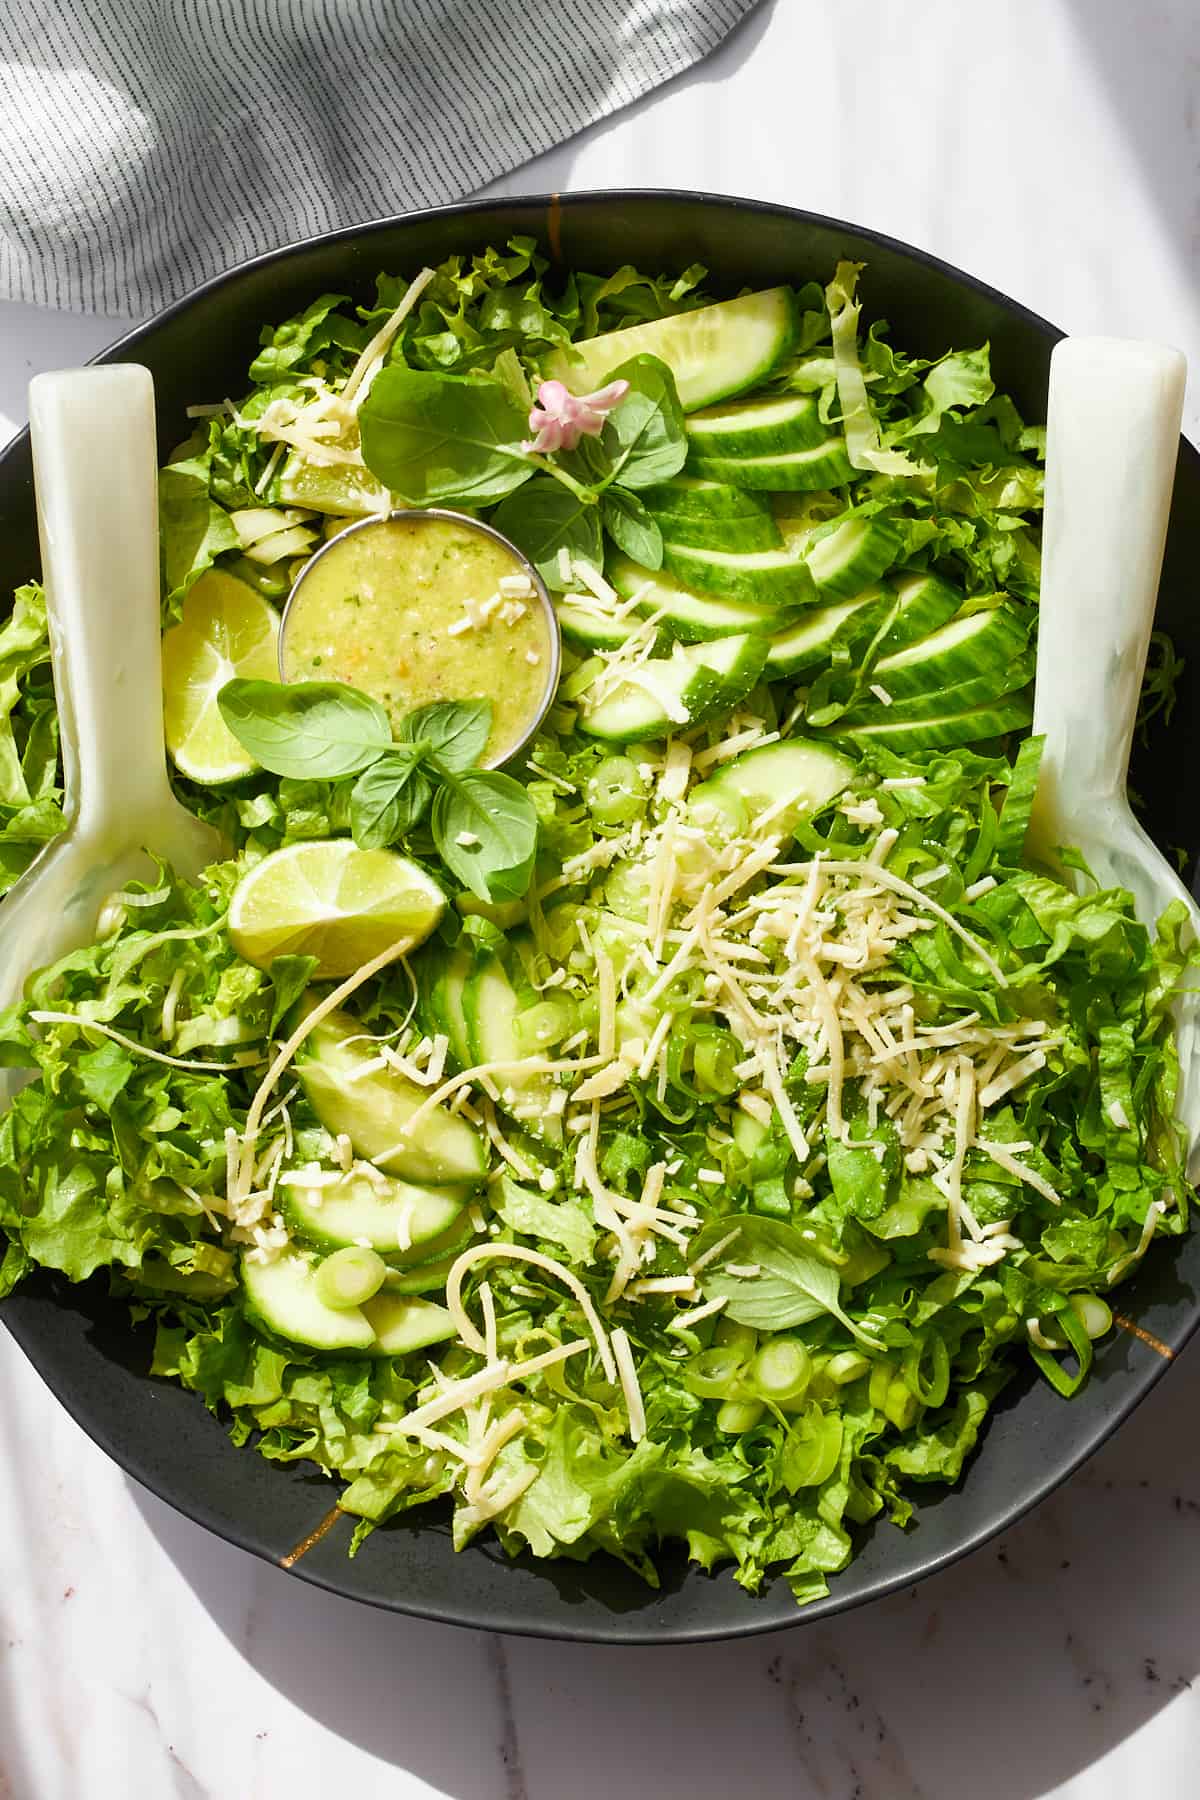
{"x": 96, "y": 472}
{"x": 1112, "y": 440}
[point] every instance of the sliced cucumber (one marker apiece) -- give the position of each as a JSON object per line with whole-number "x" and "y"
{"x": 804, "y": 774}
{"x": 402, "y": 1324}
{"x": 757, "y": 427}
{"x": 354, "y": 1210}
{"x": 926, "y": 603}
{"x": 825, "y": 465}
{"x": 964, "y": 694}
{"x": 340, "y": 488}
{"x": 699, "y": 680}
{"x": 713, "y": 351}
{"x": 977, "y": 644}
{"x": 852, "y": 556}
{"x": 754, "y": 532}
{"x": 281, "y": 1295}
{"x": 810, "y": 642}
{"x": 692, "y": 497}
{"x": 691, "y": 617}
{"x": 424, "y": 1268}
{"x": 593, "y": 630}
{"x": 443, "y": 977}
{"x": 491, "y": 1004}
{"x": 372, "y": 1106}
{"x": 945, "y": 731}
{"x": 765, "y": 577}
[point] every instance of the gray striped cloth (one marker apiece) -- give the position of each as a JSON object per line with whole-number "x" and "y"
{"x": 148, "y": 144}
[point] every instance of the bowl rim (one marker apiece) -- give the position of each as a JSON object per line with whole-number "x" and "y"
{"x": 1138, "y": 1380}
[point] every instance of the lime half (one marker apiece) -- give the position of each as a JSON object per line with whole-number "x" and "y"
{"x": 226, "y": 630}
{"x": 333, "y": 901}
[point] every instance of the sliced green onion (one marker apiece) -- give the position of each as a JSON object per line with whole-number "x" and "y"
{"x": 615, "y": 793}
{"x": 1095, "y": 1313}
{"x": 350, "y": 1276}
{"x": 716, "y": 1373}
{"x": 927, "y": 1369}
{"x": 546, "y": 1023}
{"x": 846, "y": 1366}
{"x": 1057, "y": 1373}
{"x": 627, "y": 891}
{"x": 781, "y": 1370}
{"x": 737, "y": 1416}
{"x": 811, "y": 1449}
{"x": 714, "y": 1059}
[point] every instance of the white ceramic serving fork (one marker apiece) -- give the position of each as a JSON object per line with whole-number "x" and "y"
{"x": 95, "y": 473}
{"x": 1113, "y": 423}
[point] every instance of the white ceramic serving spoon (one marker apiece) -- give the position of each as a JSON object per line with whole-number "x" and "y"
{"x": 95, "y": 472}
{"x": 1112, "y": 440}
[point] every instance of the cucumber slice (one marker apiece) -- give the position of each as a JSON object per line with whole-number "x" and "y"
{"x": 340, "y": 488}
{"x": 401, "y": 1324}
{"x": 764, "y": 577}
{"x": 809, "y": 644}
{"x": 945, "y": 731}
{"x": 978, "y": 644}
{"x": 853, "y": 556}
{"x": 420, "y": 1270}
{"x": 593, "y": 631}
{"x": 701, "y": 680}
{"x": 751, "y": 533}
{"x": 443, "y": 977}
{"x": 693, "y": 497}
{"x": 491, "y": 1004}
{"x": 692, "y": 618}
{"x": 282, "y": 1297}
{"x": 825, "y": 465}
{"x": 926, "y": 603}
{"x": 713, "y": 351}
{"x": 964, "y": 694}
{"x": 372, "y": 1105}
{"x": 757, "y": 427}
{"x": 804, "y": 774}
{"x": 357, "y": 1211}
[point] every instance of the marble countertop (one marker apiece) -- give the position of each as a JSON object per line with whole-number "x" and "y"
{"x": 1051, "y": 147}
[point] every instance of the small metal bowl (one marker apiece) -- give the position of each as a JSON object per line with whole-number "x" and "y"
{"x": 409, "y": 513}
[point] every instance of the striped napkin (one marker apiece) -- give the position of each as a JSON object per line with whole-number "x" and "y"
{"x": 148, "y": 144}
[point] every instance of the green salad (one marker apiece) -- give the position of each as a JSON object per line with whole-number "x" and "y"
{"x": 681, "y": 1134}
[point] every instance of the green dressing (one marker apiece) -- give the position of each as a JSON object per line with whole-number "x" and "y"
{"x": 423, "y": 609}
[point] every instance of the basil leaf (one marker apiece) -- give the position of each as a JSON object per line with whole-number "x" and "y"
{"x": 496, "y": 817}
{"x": 791, "y": 1287}
{"x": 455, "y": 730}
{"x": 311, "y": 730}
{"x": 389, "y": 798}
{"x": 431, "y": 438}
{"x": 644, "y": 436}
{"x": 632, "y": 528}
{"x": 545, "y": 518}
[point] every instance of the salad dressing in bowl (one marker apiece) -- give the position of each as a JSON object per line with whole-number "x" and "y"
{"x": 419, "y": 606}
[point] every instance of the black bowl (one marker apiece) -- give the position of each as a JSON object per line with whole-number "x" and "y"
{"x": 80, "y": 1342}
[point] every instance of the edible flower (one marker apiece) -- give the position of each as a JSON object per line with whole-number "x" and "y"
{"x": 561, "y": 418}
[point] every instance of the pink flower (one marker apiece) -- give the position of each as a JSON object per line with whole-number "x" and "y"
{"x": 561, "y": 418}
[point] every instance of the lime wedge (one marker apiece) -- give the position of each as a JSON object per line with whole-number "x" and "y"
{"x": 333, "y": 901}
{"x": 226, "y": 630}
{"x": 341, "y": 488}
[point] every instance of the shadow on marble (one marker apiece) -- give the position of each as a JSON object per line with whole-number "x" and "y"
{"x": 1149, "y": 60}
{"x": 1025, "y": 1664}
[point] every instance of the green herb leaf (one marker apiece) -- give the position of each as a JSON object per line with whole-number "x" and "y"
{"x": 290, "y": 975}
{"x": 389, "y": 798}
{"x": 644, "y": 436}
{"x": 312, "y": 730}
{"x": 456, "y": 731}
{"x": 193, "y": 530}
{"x": 791, "y": 1286}
{"x": 485, "y": 828}
{"x": 431, "y": 438}
{"x": 632, "y": 528}
{"x": 545, "y": 518}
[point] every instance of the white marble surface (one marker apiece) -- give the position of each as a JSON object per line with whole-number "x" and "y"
{"x": 1053, "y": 148}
